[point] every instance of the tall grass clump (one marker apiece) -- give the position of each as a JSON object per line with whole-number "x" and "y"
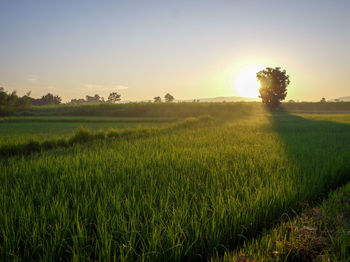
{"x": 82, "y": 135}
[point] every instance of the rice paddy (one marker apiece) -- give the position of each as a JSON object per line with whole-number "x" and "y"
{"x": 188, "y": 190}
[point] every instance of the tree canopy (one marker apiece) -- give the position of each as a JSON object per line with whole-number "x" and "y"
{"x": 114, "y": 97}
{"x": 273, "y": 85}
{"x": 48, "y": 99}
{"x": 169, "y": 98}
{"x": 157, "y": 99}
{"x": 12, "y": 99}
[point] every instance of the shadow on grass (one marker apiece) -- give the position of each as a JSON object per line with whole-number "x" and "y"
{"x": 320, "y": 150}
{"x": 319, "y": 154}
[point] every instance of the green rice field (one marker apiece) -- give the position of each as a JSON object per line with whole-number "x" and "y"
{"x": 164, "y": 189}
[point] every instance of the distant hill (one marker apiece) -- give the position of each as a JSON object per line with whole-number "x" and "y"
{"x": 341, "y": 99}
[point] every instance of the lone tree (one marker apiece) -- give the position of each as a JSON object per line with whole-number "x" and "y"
{"x": 157, "y": 99}
{"x": 169, "y": 98}
{"x": 114, "y": 97}
{"x": 273, "y": 86}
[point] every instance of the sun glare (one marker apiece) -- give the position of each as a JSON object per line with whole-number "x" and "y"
{"x": 246, "y": 83}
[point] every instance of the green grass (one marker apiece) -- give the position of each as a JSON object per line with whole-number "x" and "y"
{"x": 21, "y": 129}
{"x": 84, "y": 135}
{"x": 340, "y": 118}
{"x": 171, "y": 109}
{"x": 86, "y": 119}
{"x": 140, "y": 109}
{"x": 184, "y": 194}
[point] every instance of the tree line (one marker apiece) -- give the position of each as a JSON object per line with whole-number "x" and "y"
{"x": 96, "y": 99}
{"x": 168, "y": 98}
{"x": 12, "y": 99}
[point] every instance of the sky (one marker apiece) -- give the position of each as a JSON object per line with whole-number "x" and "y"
{"x": 190, "y": 49}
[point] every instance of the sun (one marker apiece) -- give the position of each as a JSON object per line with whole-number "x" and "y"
{"x": 246, "y": 83}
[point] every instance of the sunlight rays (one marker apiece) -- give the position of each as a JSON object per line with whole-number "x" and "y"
{"x": 245, "y": 82}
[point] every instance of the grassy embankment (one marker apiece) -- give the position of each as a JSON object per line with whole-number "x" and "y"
{"x": 16, "y": 130}
{"x": 187, "y": 193}
{"x": 84, "y": 135}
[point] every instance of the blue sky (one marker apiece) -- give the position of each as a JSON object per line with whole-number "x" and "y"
{"x": 192, "y": 49}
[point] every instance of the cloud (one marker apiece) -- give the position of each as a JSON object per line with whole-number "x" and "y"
{"x": 102, "y": 88}
{"x": 120, "y": 87}
{"x": 31, "y": 78}
{"x": 92, "y": 86}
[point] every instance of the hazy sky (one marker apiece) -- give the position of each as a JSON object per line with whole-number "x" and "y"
{"x": 191, "y": 49}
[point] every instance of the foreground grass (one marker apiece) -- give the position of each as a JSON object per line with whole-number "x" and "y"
{"x": 318, "y": 234}
{"x": 182, "y": 194}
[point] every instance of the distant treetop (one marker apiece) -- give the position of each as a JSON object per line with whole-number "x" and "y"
{"x": 169, "y": 98}
{"x": 157, "y": 99}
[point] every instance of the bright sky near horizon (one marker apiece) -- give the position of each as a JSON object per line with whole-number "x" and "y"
{"x": 191, "y": 49}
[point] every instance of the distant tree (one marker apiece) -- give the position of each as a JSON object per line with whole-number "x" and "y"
{"x": 96, "y": 99}
{"x": 323, "y": 100}
{"x": 273, "y": 86}
{"x": 50, "y": 99}
{"x": 78, "y": 101}
{"x": 7, "y": 99}
{"x": 24, "y": 100}
{"x": 157, "y": 99}
{"x": 57, "y": 100}
{"x": 114, "y": 97}
{"x": 12, "y": 99}
{"x": 3, "y": 96}
{"x": 291, "y": 101}
{"x": 169, "y": 98}
{"x": 93, "y": 99}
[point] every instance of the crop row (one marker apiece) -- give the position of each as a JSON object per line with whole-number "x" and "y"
{"x": 83, "y": 135}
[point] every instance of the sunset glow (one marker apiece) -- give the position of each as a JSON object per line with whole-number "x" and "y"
{"x": 191, "y": 49}
{"x": 245, "y": 82}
